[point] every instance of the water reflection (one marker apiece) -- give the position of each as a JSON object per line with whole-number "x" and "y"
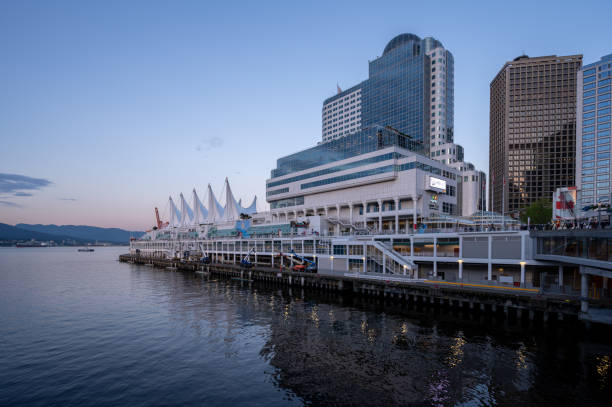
{"x": 329, "y": 350}
{"x": 179, "y": 338}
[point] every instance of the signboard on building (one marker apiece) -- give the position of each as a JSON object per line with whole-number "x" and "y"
{"x": 564, "y": 203}
{"x": 437, "y": 184}
{"x": 433, "y": 202}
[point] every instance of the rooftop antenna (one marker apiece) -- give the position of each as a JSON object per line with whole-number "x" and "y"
{"x": 338, "y": 88}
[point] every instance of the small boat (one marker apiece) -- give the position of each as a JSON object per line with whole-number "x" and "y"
{"x": 85, "y": 249}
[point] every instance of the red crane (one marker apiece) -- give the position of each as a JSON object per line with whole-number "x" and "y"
{"x": 159, "y": 222}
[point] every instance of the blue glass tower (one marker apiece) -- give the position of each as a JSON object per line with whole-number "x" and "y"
{"x": 409, "y": 88}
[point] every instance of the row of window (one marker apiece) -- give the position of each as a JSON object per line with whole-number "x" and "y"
{"x": 366, "y": 161}
{"x": 376, "y": 171}
{"x": 277, "y": 191}
{"x": 601, "y": 163}
{"x": 602, "y": 126}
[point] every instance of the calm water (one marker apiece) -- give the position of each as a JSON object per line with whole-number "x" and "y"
{"x": 83, "y": 329}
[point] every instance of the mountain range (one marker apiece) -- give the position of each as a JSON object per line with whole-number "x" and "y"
{"x": 81, "y": 233}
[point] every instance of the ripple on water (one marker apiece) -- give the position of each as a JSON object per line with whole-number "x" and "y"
{"x": 78, "y": 330}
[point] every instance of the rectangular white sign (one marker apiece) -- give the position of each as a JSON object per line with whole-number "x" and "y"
{"x": 437, "y": 183}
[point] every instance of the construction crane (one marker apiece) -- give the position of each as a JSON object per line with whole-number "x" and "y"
{"x": 159, "y": 223}
{"x": 246, "y": 261}
{"x": 205, "y": 259}
{"x": 303, "y": 263}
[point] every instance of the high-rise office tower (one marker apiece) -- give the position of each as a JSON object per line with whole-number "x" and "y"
{"x": 532, "y": 131}
{"x": 409, "y": 88}
{"x": 593, "y": 132}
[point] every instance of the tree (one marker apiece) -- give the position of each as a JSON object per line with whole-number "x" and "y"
{"x": 539, "y": 212}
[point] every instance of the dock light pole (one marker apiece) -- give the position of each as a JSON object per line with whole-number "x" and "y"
{"x": 460, "y": 261}
{"x": 522, "y": 263}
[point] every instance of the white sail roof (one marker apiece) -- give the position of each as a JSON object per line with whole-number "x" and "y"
{"x": 249, "y": 210}
{"x": 215, "y": 211}
{"x": 230, "y": 212}
{"x": 175, "y": 215}
{"x": 186, "y": 212}
{"x": 200, "y": 213}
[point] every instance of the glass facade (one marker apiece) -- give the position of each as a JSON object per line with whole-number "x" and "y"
{"x": 594, "y": 132}
{"x": 364, "y": 141}
{"x": 532, "y": 145}
{"x": 409, "y": 88}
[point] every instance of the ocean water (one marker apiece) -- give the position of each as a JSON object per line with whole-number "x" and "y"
{"x": 82, "y": 329}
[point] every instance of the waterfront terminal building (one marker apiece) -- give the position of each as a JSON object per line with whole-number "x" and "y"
{"x": 379, "y": 200}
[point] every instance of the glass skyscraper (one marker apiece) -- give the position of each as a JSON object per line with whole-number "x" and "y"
{"x": 593, "y": 132}
{"x": 409, "y": 88}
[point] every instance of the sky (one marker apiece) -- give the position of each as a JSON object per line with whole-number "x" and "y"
{"x": 109, "y": 107}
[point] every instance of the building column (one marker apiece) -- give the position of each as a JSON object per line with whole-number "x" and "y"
{"x": 584, "y": 291}
{"x": 411, "y": 247}
{"x": 414, "y": 211}
{"x": 338, "y": 216}
{"x": 489, "y": 263}
{"x": 351, "y": 213}
{"x": 365, "y": 212}
{"x": 560, "y": 275}
{"x": 384, "y": 263}
{"x": 435, "y": 254}
{"x": 396, "y": 216}
{"x": 380, "y": 215}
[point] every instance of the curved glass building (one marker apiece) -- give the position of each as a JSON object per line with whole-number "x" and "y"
{"x": 409, "y": 88}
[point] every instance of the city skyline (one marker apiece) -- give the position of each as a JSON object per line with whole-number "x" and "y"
{"x": 101, "y": 122}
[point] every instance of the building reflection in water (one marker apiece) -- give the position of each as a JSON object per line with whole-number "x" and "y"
{"x": 328, "y": 350}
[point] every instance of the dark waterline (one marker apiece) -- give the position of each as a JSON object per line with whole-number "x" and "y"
{"x": 84, "y": 329}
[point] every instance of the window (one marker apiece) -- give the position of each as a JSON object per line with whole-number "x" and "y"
{"x": 589, "y": 93}
{"x": 587, "y": 179}
{"x": 603, "y": 148}
{"x": 588, "y": 115}
{"x": 605, "y": 82}
{"x": 587, "y": 186}
{"x": 589, "y": 121}
{"x": 603, "y": 177}
{"x": 603, "y": 119}
{"x": 603, "y": 163}
{"x": 588, "y": 108}
{"x": 589, "y": 86}
{"x": 603, "y": 126}
{"x": 603, "y": 112}
{"x": 589, "y": 136}
{"x": 587, "y": 165}
{"x": 588, "y": 129}
{"x": 589, "y": 79}
{"x": 589, "y": 72}
{"x": 603, "y": 104}
{"x": 586, "y": 151}
{"x": 603, "y": 133}
{"x": 588, "y": 157}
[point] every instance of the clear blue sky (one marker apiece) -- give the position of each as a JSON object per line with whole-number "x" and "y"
{"x": 108, "y": 107}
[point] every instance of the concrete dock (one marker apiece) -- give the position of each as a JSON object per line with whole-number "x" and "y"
{"x": 508, "y": 302}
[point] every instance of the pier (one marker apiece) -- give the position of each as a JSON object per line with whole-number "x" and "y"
{"x": 503, "y": 301}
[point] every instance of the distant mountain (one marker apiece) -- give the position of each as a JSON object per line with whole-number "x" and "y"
{"x": 8, "y": 232}
{"x": 111, "y": 235}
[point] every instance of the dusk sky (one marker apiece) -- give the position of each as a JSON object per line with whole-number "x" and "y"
{"x": 109, "y": 107}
